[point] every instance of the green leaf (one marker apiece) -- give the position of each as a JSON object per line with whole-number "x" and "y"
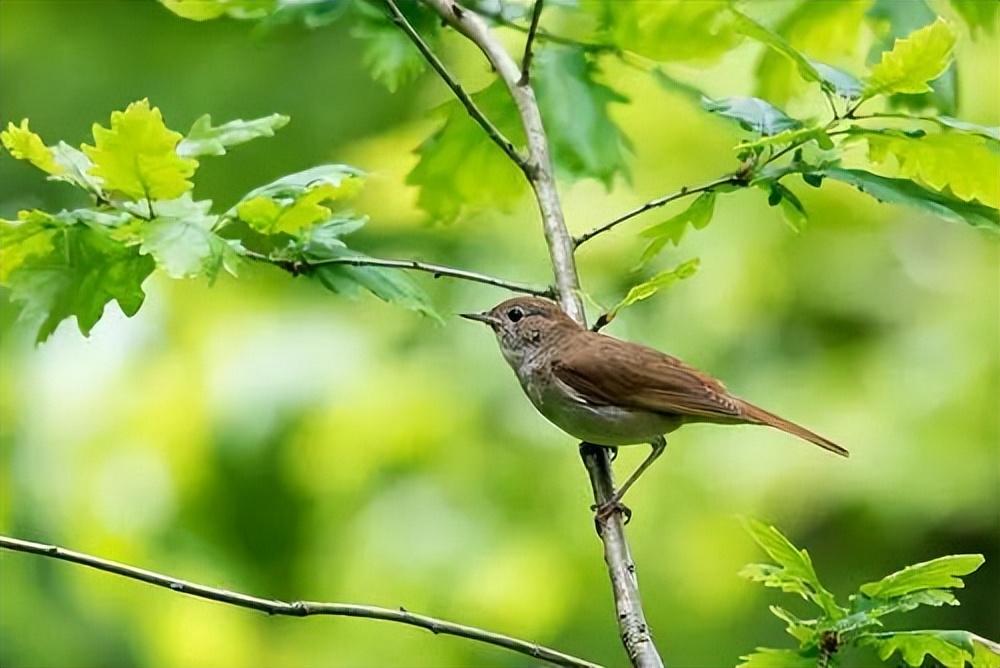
{"x": 791, "y": 207}
{"x": 966, "y": 164}
{"x": 460, "y": 169}
{"x": 668, "y": 30}
{"x": 880, "y": 607}
{"x": 294, "y": 215}
{"x": 903, "y": 191}
{"x": 797, "y": 136}
{"x": 950, "y": 648}
{"x": 389, "y": 55}
{"x": 24, "y": 144}
{"x": 985, "y": 656}
{"x": 772, "y": 40}
{"x": 648, "y": 288}
{"x": 913, "y": 61}
{"x": 698, "y": 214}
{"x": 844, "y": 84}
{"x": 980, "y": 15}
{"x": 137, "y": 156}
{"x": 83, "y": 271}
{"x": 803, "y": 630}
{"x": 827, "y": 31}
{"x": 982, "y": 130}
{"x": 182, "y": 241}
{"x": 794, "y": 572}
{"x": 205, "y": 139}
{"x": 765, "y": 657}
{"x": 204, "y": 10}
{"x": 585, "y": 141}
{"x": 940, "y": 573}
{"x": 293, "y": 185}
{"x": 323, "y": 247}
{"x": 752, "y": 113}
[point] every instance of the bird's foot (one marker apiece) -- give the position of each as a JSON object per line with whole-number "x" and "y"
{"x": 612, "y": 452}
{"x": 604, "y": 511}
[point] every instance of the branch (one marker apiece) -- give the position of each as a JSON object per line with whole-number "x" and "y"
{"x": 437, "y": 270}
{"x": 632, "y": 626}
{"x": 732, "y": 179}
{"x": 536, "y": 15}
{"x": 498, "y": 18}
{"x": 493, "y": 131}
{"x": 296, "y": 608}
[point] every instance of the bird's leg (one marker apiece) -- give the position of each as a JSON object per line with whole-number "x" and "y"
{"x": 659, "y": 444}
{"x": 612, "y": 452}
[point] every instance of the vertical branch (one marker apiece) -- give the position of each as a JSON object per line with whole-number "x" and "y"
{"x": 539, "y": 171}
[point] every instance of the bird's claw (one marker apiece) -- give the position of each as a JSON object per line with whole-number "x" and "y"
{"x": 604, "y": 511}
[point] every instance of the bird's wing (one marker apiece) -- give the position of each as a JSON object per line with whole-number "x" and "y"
{"x": 607, "y": 371}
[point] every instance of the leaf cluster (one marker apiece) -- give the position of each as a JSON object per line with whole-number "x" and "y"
{"x": 861, "y": 623}
{"x": 142, "y": 215}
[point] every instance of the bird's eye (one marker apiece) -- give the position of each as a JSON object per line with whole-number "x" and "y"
{"x": 515, "y": 314}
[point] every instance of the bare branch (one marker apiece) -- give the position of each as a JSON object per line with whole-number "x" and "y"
{"x": 437, "y": 270}
{"x": 631, "y": 618}
{"x": 493, "y": 131}
{"x": 296, "y": 608}
{"x": 732, "y": 179}
{"x": 536, "y": 15}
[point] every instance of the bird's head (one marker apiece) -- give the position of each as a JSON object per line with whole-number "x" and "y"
{"x": 525, "y": 325}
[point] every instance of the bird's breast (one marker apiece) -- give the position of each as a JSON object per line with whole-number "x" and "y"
{"x": 601, "y": 425}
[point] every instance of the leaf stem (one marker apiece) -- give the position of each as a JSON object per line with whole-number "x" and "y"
{"x": 731, "y": 179}
{"x": 437, "y": 270}
{"x": 296, "y": 608}
{"x": 491, "y": 130}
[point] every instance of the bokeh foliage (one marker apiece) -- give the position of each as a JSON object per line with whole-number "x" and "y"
{"x": 265, "y": 435}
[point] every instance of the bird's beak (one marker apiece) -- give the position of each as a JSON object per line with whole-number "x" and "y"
{"x": 486, "y": 317}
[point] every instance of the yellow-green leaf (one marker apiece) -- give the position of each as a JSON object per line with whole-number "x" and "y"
{"x": 964, "y": 163}
{"x": 138, "y": 155}
{"x": 293, "y": 215}
{"x": 20, "y": 240}
{"x": 913, "y": 62}
{"x": 669, "y": 30}
{"x": 648, "y": 288}
{"x": 24, "y": 144}
{"x": 204, "y": 10}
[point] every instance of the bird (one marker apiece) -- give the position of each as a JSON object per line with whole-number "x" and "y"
{"x": 609, "y": 392}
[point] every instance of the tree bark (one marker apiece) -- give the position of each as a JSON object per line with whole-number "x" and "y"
{"x": 539, "y": 170}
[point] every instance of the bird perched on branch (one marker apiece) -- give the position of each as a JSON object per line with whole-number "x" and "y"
{"x": 610, "y": 392}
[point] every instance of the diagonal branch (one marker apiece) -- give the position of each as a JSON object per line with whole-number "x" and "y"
{"x": 492, "y": 130}
{"x": 536, "y": 15}
{"x": 296, "y": 608}
{"x": 437, "y": 270}
{"x": 631, "y": 619}
{"x": 732, "y": 179}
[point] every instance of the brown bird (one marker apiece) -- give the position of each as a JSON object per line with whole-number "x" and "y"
{"x": 610, "y": 392}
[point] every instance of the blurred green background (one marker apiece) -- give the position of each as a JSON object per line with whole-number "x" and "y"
{"x": 267, "y": 436}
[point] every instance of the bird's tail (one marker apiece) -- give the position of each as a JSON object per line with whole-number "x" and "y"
{"x": 757, "y": 415}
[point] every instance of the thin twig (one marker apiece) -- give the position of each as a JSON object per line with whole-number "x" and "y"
{"x": 491, "y": 130}
{"x": 499, "y": 19}
{"x": 296, "y": 608}
{"x": 634, "y": 631}
{"x": 731, "y": 179}
{"x": 536, "y": 15}
{"x": 437, "y": 270}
